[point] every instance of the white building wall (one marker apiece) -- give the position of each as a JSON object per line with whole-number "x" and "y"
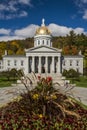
{"x": 41, "y": 38}
{"x": 11, "y": 64}
{"x": 1, "y": 65}
{"x": 4, "y": 63}
{"x": 74, "y": 60}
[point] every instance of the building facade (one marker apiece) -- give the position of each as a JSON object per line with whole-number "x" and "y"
{"x": 42, "y": 58}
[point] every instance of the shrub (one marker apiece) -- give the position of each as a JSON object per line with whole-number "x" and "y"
{"x": 71, "y": 73}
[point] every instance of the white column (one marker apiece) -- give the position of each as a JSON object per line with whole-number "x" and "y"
{"x": 46, "y": 64}
{"x": 39, "y": 66}
{"x": 33, "y": 64}
{"x": 26, "y": 66}
{"x": 59, "y": 65}
{"x": 52, "y": 65}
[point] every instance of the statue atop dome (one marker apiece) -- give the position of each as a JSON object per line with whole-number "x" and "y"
{"x": 43, "y": 30}
{"x": 43, "y": 22}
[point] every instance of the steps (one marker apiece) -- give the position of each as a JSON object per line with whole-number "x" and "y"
{"x": 31, "y": 77}
{"x": 57, "y": 78}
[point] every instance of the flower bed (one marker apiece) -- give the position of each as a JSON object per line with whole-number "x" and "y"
{"x": 43, "y": 108}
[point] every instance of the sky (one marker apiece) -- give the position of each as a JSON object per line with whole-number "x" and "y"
{"x": 20, "y": 18}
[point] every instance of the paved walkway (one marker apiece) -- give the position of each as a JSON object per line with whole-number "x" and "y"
{"x": 80, "y": 94}
{"x": 7, "y": 94}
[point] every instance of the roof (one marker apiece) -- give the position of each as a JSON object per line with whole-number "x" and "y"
{"x": 73, "y": 56}
{"x": 43, "y": 49}
{"x": 17, "y": 56}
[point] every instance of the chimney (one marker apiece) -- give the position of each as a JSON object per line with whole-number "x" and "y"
{"x": 80, "y": 53}
{"x": 6, "y": 53}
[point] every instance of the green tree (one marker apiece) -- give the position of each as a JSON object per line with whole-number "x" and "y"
{"x": 71, "y": 38}
{"x": 13, "y": 73}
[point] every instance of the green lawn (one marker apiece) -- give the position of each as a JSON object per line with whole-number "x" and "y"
{"x": 80, "y": 82}
{"x": 5, "y": 83}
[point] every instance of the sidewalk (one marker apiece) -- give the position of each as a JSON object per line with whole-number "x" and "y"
{"x": 80, "y": 94}
{"x": 7, "y": 94}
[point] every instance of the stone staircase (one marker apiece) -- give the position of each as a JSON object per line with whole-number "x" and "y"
{"x": 57, "y": 78}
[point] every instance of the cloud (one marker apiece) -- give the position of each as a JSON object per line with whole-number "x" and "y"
{"x": 82, "y": 4}
{"x": 85, "y": 14}
{"x": 23, "y": 14}
{"x": 14, "y": 8}
{"x": 11, "y": 16}
{"x": 27, "y": 2}
{"x": 5, "y": 31}
{"x": 83, "y": 1}
{"x": 58, "y": 30}
{"x": 29, "y": 31}
{"x": 10, "y": 38}
{"x": 79, "y": 30}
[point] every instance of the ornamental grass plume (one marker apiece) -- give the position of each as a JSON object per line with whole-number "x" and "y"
{"x": 45, "y": 99}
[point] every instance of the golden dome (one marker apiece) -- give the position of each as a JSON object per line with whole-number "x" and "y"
{"x": 43, "y": 30}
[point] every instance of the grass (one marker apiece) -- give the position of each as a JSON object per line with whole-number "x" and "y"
{"x": 5, "y": 83}
{"x": 80, "y": 82}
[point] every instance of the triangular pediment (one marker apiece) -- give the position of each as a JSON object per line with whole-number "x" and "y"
{"x": 43, "y": 49}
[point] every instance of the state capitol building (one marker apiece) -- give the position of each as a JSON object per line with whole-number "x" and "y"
{"x": 42, "y": 58}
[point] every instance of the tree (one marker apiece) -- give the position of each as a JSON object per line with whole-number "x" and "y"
{"x": 7, "y": 74}
{"x": 13, "y": 73}
{"x": 20, "y": 51}
{"x": 71, "y": 38}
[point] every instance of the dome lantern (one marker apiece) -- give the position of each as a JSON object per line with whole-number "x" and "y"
{"x": 42, "y": 36}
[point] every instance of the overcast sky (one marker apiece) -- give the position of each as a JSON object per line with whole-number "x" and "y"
{"x": 20, "y": 18}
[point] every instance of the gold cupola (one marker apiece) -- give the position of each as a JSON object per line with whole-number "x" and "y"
{"x": 43, "y": 30}
{"x": 42, "y": 36}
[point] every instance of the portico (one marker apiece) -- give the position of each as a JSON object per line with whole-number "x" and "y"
{"x": 44, "y": 59}
{"x": 44, "y": 64}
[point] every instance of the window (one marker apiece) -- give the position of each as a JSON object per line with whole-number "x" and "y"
{"x": 47, "y": 42}
{"x": 70, "y": 62}
{"x": 38, "y": 42}
{"x": 43, "y": 41}
{"x": 64, "y": 63}
{"x": 77, "y": 70}
{"x": 15, "y": 62}
{"x": 77, "y": 62}
{"x": 8, "y": 62}
{"x": 22, "y": 62}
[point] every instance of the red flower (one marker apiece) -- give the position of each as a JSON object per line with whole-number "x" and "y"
{"x": 48, "y": 79}
{"x": 39, "y": 77}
